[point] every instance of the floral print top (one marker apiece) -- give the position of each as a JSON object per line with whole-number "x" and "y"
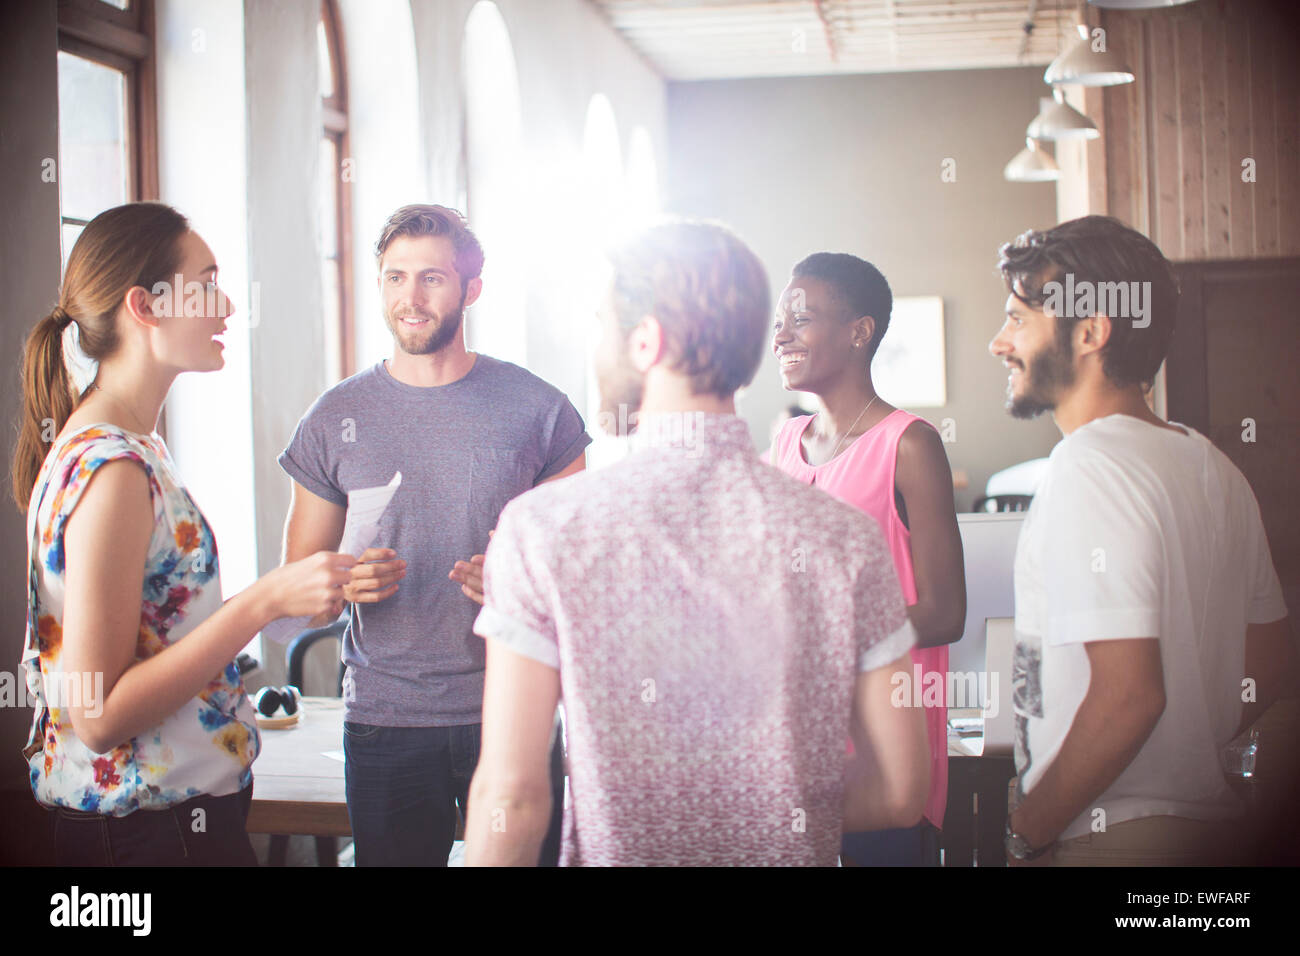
{"x": 209, "y": 745}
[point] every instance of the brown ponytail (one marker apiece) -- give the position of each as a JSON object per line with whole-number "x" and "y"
{"x": 121, "y": 248}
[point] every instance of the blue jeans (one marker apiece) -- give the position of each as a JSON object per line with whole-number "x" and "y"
{"x": 913, "y": 846}
{"x": 177, "y": 836}
{"x": 405, "y": 783}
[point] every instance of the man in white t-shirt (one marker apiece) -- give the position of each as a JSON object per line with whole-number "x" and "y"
{"x": 1150, "y": 626}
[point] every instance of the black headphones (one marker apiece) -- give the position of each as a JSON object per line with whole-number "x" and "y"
{"x": 270, "y": 699}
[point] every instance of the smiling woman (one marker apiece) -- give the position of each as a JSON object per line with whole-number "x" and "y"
{"x": 124, "y": 582}
{"x": 831, "y": 319}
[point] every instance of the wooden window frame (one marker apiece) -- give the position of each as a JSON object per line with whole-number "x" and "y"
{"x": 334, "y": 121}
{"x": 122, "y": 40}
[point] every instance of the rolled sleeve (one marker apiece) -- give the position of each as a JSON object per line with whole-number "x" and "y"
{"x": 313, "y": 484}
{"x": 569, "y": 439}
{"x": 517, "y": 606}
{"x": 888, "y": 650}
{"x": 882, "y": 628}
{"x": 519, "y": 637}
{"x": 306, "y": 461}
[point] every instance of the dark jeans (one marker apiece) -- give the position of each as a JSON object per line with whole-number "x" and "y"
{"x": 403, "y": 787}
{"x": 179, "y": 836}
{"x": 913, "y": 846}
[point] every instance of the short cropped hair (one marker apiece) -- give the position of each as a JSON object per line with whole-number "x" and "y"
{"x": 858, "y": 285}
{"x": 709, "y": 293}
{"x": 428, "y": 220}
{"x": 1102, "y": 251}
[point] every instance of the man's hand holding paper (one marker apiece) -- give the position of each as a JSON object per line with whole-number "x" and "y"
{"x": 375, "y": 576}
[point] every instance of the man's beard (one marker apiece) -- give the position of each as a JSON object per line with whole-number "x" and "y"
{"x": 620, "y": 385}
{"x": 1043, "y": 376}
{"x": 443, "y": 330}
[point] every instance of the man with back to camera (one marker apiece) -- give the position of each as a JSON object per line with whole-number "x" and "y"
{"x": 468, "y": 433}
{"x": 1144, "y": 587}
{"x": 716, "y": 627}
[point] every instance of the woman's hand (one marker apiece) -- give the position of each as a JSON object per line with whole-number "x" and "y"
{"x": 312, "y": 587}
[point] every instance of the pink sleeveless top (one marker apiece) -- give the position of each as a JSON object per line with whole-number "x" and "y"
{"x": 863, "y": 475}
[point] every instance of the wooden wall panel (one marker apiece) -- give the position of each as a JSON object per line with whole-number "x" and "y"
{"x": 1095, "y": 166}
{"x": 1160, "y": 89}
{"x": 1240, "y": 195}
{"x": 1288, "y": 147}
{"x": 1214, "y": 130}
{"x": 1122, "y": 150}
{"x": 1191, "y": 141}
{"x": 1119, "y": 155}
{"x": 1216, "y": 84}
{"x": 1263, "y": 120}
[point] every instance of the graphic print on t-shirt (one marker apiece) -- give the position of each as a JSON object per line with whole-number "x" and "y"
{"x": 1026, "y": 692}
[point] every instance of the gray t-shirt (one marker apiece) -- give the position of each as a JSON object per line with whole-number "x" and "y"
{"x": 464, "y": 450}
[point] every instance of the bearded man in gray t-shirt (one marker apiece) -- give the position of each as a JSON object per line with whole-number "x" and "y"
{"x": 468, "y": 433}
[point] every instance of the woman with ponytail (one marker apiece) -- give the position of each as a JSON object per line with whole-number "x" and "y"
{"x": 143, "y": 736}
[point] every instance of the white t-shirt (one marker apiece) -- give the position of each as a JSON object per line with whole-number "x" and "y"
{"x": 1138, "y": 531}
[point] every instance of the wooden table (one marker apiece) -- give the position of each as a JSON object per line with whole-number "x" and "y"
{"x": 296, "y": 789}
{"x": 975, "y": 821}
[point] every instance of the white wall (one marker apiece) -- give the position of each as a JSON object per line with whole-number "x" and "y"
{"x": 288, "y": 350}
{"x": 386, "y": 143}
{"x": 565, "y": 53}
{"x": 202, "y": 139}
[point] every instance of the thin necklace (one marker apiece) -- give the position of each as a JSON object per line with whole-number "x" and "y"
{"x": 95, "y": 386}
{"x": 851, "y": 427}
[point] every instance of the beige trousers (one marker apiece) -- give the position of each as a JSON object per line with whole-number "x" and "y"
{"x": 1157, "y": 841}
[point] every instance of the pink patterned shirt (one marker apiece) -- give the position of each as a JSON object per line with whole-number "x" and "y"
{"x": 708, "y": 616}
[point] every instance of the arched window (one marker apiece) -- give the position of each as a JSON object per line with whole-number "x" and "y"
{"x": 642, "y": 180}
{"x": 602, "y": 162}
{"x": 493, "y": 124}
{"x": 601, "y": 213}
{"x": 334, "y": 198}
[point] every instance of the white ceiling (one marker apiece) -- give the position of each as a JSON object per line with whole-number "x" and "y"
{"x": 714, "y": 39}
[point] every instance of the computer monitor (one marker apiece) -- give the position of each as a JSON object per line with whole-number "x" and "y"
{"x": 989, "y": 552}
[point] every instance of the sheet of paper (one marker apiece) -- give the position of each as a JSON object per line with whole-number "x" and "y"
{"x": 365, "y": 508}
{"x": 360, "y": 529}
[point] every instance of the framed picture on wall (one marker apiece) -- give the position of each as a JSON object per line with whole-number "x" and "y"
{"x": 909, "y": 368}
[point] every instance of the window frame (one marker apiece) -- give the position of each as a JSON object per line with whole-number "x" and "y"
{"x": 334, "y": 127}
{"x": 121, "y": 40}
